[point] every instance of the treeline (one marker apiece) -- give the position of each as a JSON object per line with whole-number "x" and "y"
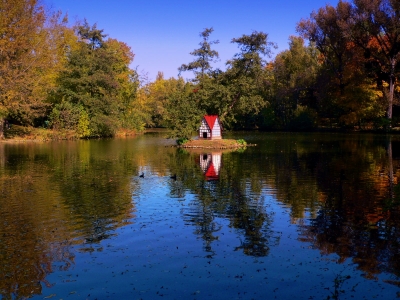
{"x": 75, "y": 78}
{"x": 61, "y": 77}
{"x": 344, "y": 78}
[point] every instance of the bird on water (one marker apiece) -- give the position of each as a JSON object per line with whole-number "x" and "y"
{"x": 141, "y": 175}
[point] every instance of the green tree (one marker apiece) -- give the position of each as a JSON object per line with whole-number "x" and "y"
{"x": 242, "y": 86}
{"x": 156, "y": 96}
{"x": 188, "y": 104}
{"x": 205, "y": 56}
{"x": 295, "y": 72}
{"x": 206, "y": 82}
{"x": 98, "y": 78}
{"x": 183, "y": 115}
{"x": 240, "y": 90}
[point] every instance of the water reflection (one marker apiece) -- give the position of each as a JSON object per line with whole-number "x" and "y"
{"x": 210, "y": 163}
{"x": 54, "y": 197}
{"x": 224, "y": 194}
{"x": 33, "y": 235}
{"x": 339, "y": 194}
{"x": 359, "y": 217}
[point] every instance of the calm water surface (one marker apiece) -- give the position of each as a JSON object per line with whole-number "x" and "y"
{"x": 299, "y": 216}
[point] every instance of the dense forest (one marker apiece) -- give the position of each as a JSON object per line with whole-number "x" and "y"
{"x": 340, "y": 72}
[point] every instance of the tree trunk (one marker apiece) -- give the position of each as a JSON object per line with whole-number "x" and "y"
{"x": 2, "y": 156}
{"x": 392, "y": 80}
{"x": 390, "y": 99}
{"x": 390, "y": 166}
{"x": 2, "y": 128}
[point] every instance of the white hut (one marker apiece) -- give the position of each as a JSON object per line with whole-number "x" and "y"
{"x": 210, "y": 163}
{"x": 210, "y": 128}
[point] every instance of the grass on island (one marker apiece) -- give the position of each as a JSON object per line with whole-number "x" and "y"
{"x": 214, "y": 144}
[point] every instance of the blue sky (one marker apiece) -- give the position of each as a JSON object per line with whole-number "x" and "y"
{"x": 161, "y": 33}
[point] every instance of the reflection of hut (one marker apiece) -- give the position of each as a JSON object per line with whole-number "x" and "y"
{"x": 211, "y": 165}
{"x": 210, "y": 128}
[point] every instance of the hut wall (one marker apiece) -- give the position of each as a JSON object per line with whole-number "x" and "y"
{"x": 204, "y": 129}
{"x": 205, "y": 160}
{"x": 216, "y": 131}
{"x": 216, "y": 160}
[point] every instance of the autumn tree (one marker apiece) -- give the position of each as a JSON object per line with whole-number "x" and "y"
{"x": 156, "y": 96}
{"x": 132, "y": 114}
{"x": 376, "y": 29}
{"x": 28, "y": 57}
{"x": 345, "y": 92}
{"x": 324, "y": 29}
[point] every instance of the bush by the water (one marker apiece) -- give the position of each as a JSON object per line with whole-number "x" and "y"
{"x": 182, "y": 141}
{"x": 241, "y": 142}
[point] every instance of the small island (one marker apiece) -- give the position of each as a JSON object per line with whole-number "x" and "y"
{"x": 210, "y": 137}
{"x": 215, "y": 144}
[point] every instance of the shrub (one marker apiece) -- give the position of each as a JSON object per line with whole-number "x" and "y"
{"x": 102, "y": 126}
{"x": 241, "y": 142}
{"x": 64, "y": 115}
{"x": 182, "y": 141}
{"x": 83, "y": 124}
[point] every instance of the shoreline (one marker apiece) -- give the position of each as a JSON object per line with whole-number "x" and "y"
{"x": 19, "y": 134}
{"x": 214, "y": 144}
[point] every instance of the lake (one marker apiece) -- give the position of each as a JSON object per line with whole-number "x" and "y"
{"x": 299, "y": 216}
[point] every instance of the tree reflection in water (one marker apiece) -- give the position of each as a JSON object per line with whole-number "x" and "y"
{"x": 359, "y": 216}
{"x": 343, "y": 195}
{"x": 55, "y": 197}
{"x": 223, "y": 193}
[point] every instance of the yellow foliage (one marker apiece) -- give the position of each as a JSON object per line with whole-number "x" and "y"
{"x": 33, "y": 49}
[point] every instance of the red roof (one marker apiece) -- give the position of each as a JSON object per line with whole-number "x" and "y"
{"x": 210, "y": 173}
{"x": 211, "y": 120}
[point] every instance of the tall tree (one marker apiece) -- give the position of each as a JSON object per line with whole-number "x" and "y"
{"x": 295, "y": 72}
{"x": 242, "y": 85}
{"x": 131, "y": 113}
{"x": 324, "y": 28}
{"x": 239, "y": 90}
{"x": 157, "y": 95}
{"x": 188, "y": 103}
{"x": 98, "y": 80}
{"x": 345, "y": 93}
{"x": 26, "y": 57}
{"x": 184, "y": 115}
{"x": 204, "y": 56}
{"x": 376, "y": 29}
